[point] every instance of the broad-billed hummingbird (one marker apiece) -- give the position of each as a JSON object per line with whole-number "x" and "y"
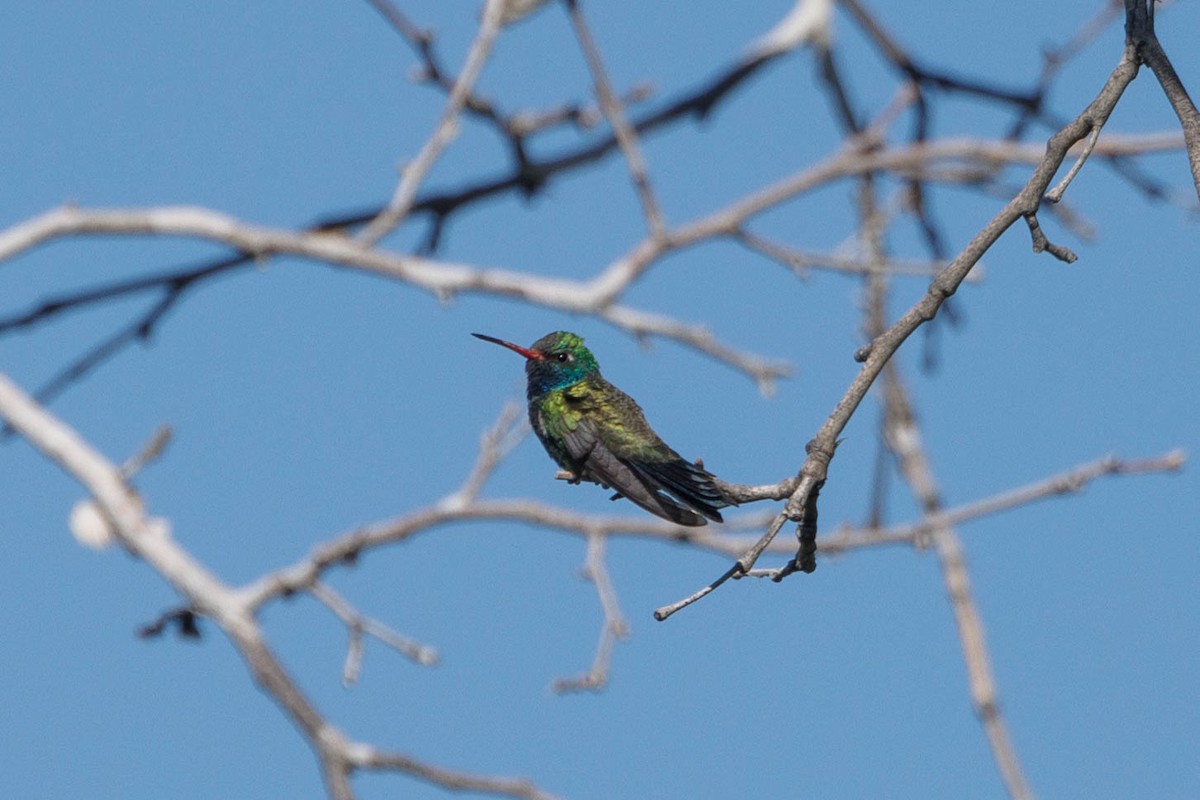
{"x": 598, "y": 433}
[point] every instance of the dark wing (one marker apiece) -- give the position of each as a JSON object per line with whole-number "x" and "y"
{"x": 690, "y": 484}
{"x": 602, "y": 466}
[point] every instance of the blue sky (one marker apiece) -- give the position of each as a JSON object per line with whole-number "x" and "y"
{"x": 307, "y": 400}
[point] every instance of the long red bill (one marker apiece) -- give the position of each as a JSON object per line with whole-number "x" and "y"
{"x": 525, "y": 351}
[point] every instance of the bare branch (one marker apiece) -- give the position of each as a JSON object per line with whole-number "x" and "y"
{"x": 1055, "y": 194}
{"x": 443, "y": 280}
{"x": 366, "y": 757}
{"x": 346, "y": 547}
{"x": 663, "y": 612}
{"x": 1070, "y": 482}
{"x": 615, "y": 626}
{"x": 1139, "y": 34}
{"x": 525, "y": 123}
{"x": 874, "y": 153}
{"x": 800, "y": 262}
{"x": 903, "y": 436}
{"x": 881, "y": 349}
{"x": 594, "y": 297}
{"x": 406, "y": 192}
{"x": 1043, "y": 245}
{"x": 149, "y": 453}
{"x": 497, "y": 442}
{"x": 150, "y": 539}
{"x": 360, "y": 625}
{"x": 626, "y": 136}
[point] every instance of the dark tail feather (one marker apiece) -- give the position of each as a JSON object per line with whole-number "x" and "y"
{"x": 660, "y": 505}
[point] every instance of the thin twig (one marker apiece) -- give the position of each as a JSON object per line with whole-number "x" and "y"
{"x": 614, "y": 628}
{"x": 1069, "y": 482}
{"x": 584, "y": 117}
{"x": 1140, "y": 35}
{"x": 611, "y": 106}
{"x": 365, "y": 757}
{"x": 150, "y": 452}
{"x": 663, "y": 612}
{"x": 413, "y": 174}
{"x": 360, "y": 625}
{"x": 497, "y": 442}
{"x": 1055, "y": 194}
{"x": 903, "y": 435}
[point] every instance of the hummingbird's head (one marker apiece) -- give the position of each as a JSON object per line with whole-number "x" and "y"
{"x": 554, "y": 361}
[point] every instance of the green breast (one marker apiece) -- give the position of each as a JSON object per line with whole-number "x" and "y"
{"x": 614, "y": 417}
{"x": 551, "y": 417}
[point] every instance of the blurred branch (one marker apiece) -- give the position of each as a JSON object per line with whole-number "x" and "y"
{"x": 622, "y": 130}
{"x": 801, "y": 262}
{"x": 528, "y": 175}
{"x": 149, "y": 453}
{"x": 517, "y": 126}
{"x": 184, "y": 620}
{"x": 849, "y": 162}
{"x": 582, "y": 116}
{"x": 443, "y": 280}
{"x": 422, "y": 42}
{"x": 1071, "y": 482}
{"x": 359, "y": 626}
{"x": 413, "y": 174}
{"x": 366, "y": 757}
{"x": 595, "y": 297}
{"x": 497, "y": 442}
{"x": 614, "y": 628}
{"x": 150, "y": 540}
{"x": 902, "y": 434}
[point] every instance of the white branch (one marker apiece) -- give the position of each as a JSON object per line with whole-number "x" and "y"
{"x": 413, "y": 174}
{"x": 150, "y": 539}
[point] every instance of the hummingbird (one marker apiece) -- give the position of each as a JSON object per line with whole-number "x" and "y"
{"x": 598, "y": 433}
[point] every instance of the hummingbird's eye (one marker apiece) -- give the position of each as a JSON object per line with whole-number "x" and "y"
{"x": 562, "y": 358}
